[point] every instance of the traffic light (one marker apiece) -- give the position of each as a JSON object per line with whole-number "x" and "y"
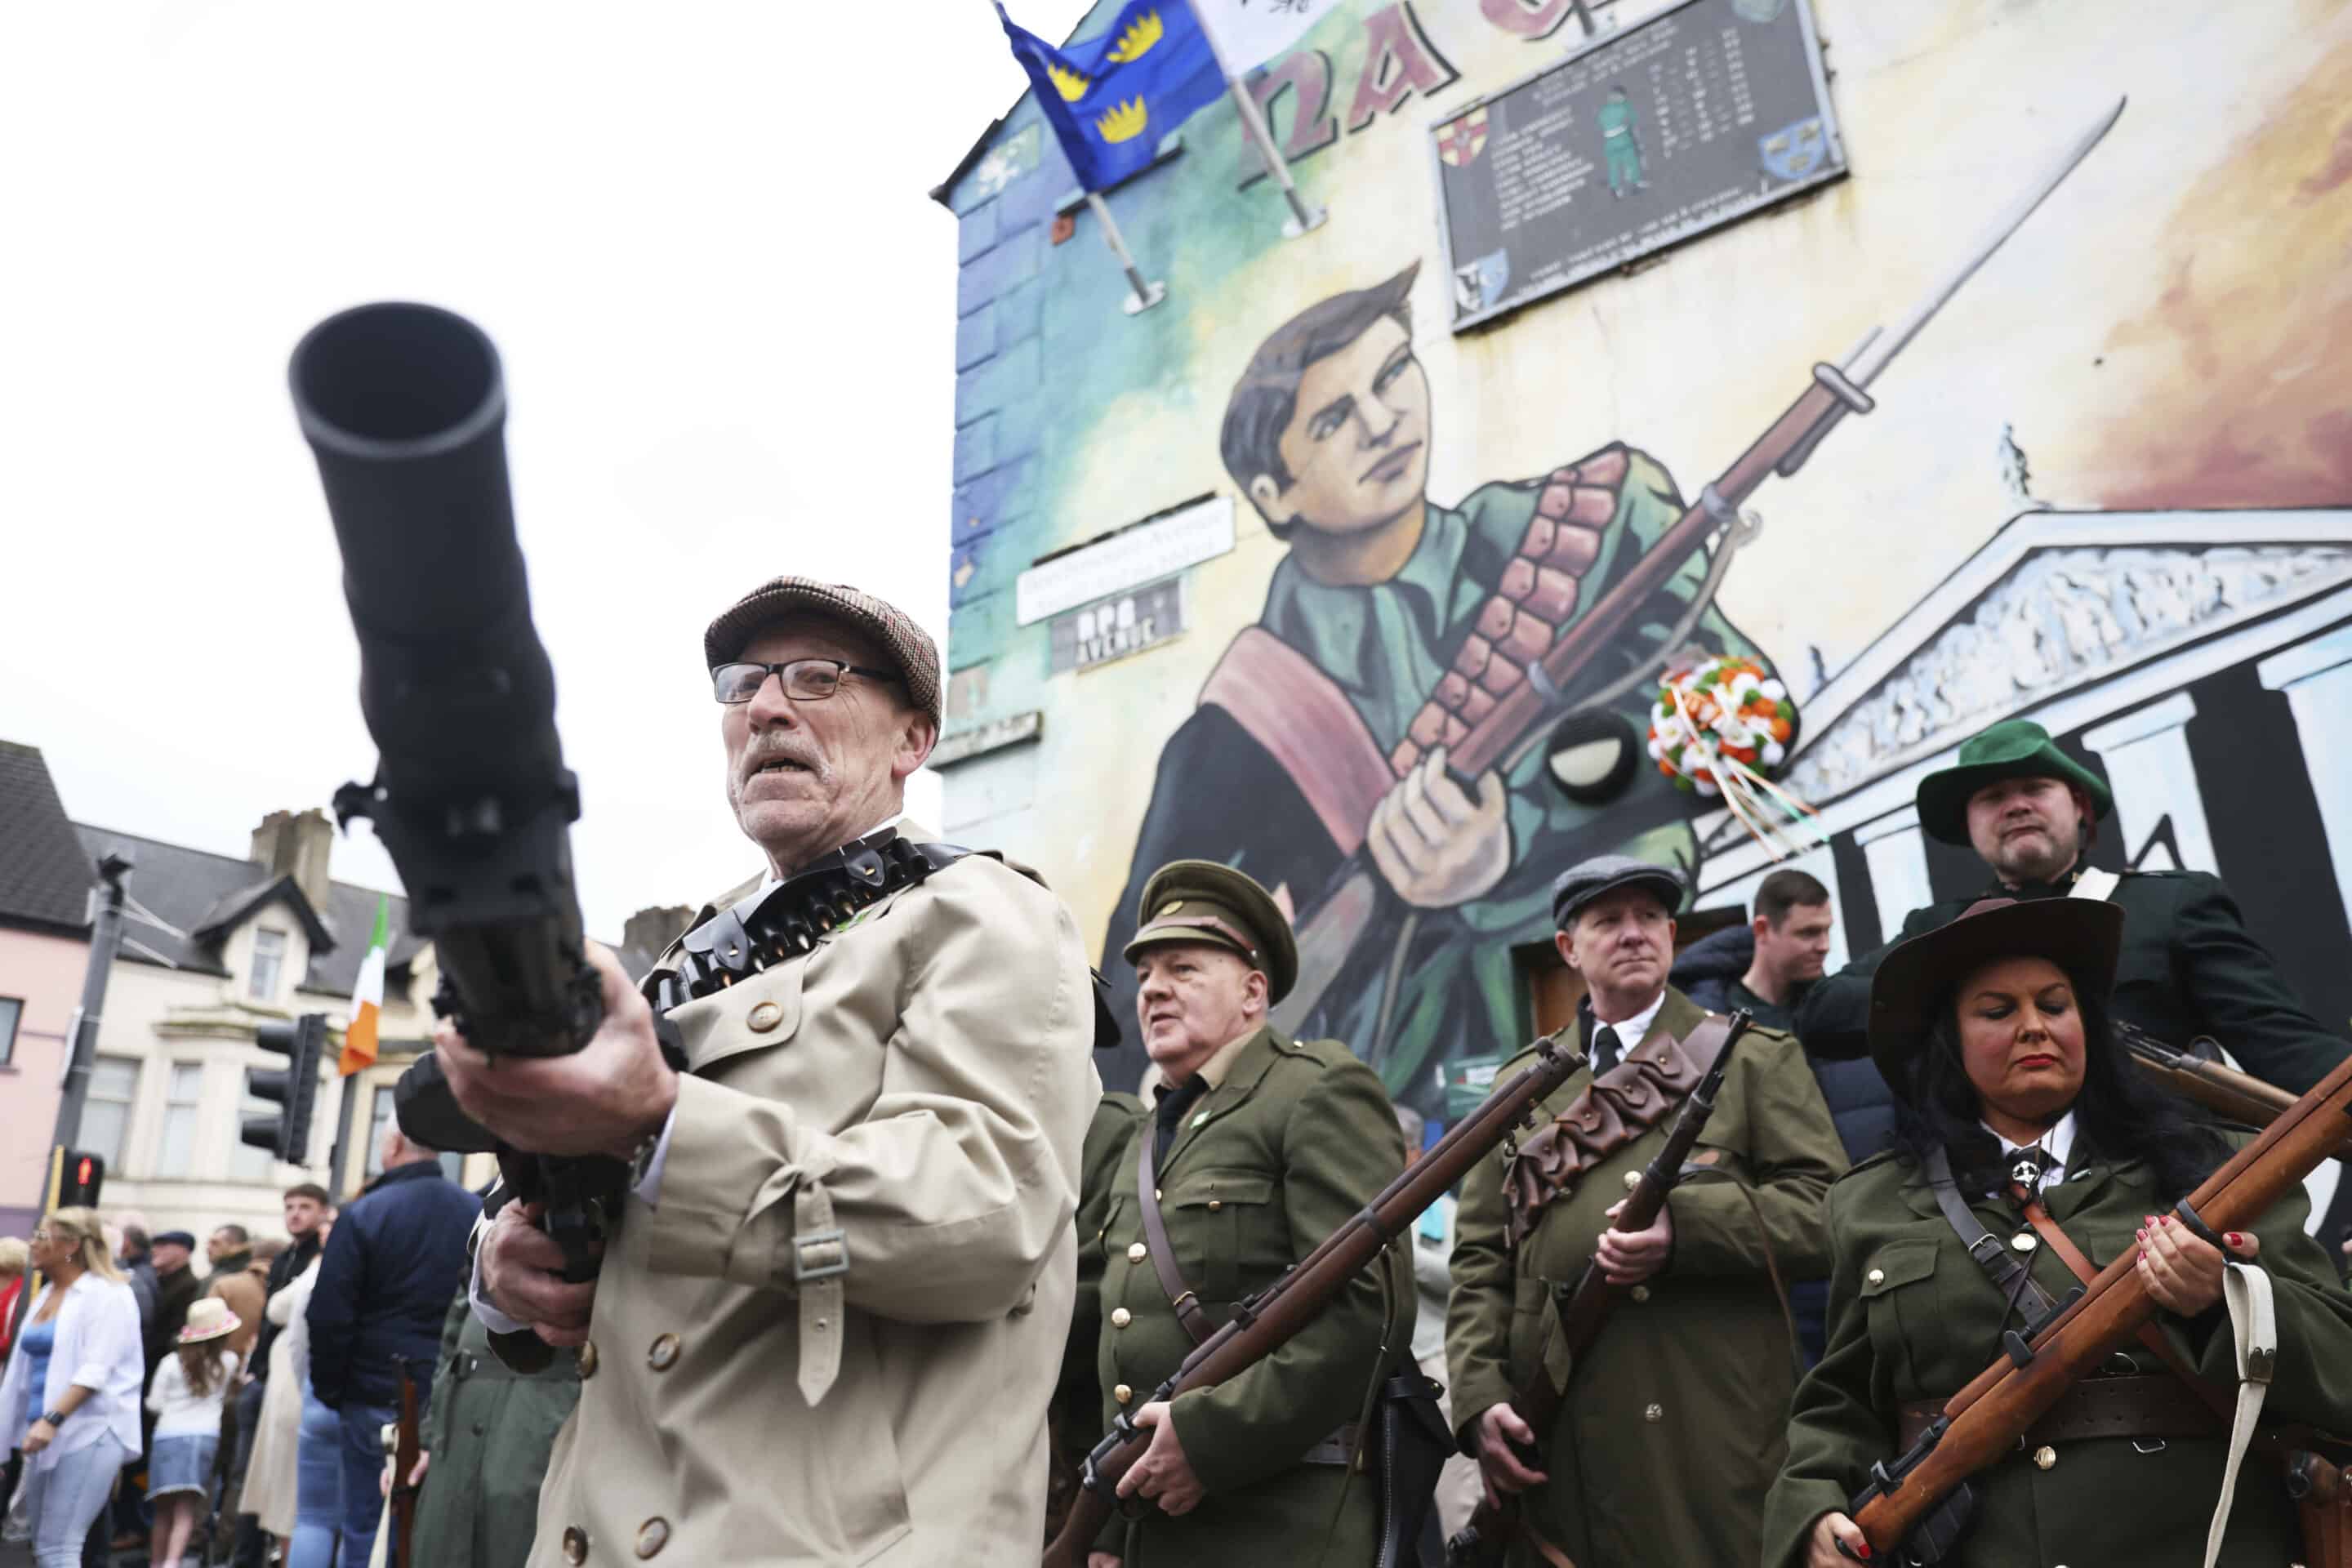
{"x": 78, "y": 1179}
{"x": 295, "y": 1089}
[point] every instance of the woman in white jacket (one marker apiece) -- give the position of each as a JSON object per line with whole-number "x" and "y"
{"x": 70, "y": 1398}
{"x": 269, "y": 1475}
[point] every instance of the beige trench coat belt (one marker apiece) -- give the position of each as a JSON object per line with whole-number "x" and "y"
{"x": 820, "y": 1257}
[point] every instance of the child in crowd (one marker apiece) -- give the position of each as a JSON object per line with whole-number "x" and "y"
{"x": 189, "y": 1392}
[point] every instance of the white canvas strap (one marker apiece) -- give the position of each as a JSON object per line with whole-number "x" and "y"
{"x": 2254, "y": 1322}
{"x": 2094, "y": 884}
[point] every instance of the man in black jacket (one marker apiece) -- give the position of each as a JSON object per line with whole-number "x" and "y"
{"x": 395, "y": 1257}
{"x": 2189, "y": 966}
{"x": 307, "y": 1205}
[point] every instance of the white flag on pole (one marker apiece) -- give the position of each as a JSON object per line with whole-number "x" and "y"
{"x": 1251, "y": 32}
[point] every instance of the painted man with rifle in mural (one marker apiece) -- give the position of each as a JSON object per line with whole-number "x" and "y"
{"x": 1394, "y": 626}
{"x": 1682, "y": 1395}
{"x": 2101, "y": 1429}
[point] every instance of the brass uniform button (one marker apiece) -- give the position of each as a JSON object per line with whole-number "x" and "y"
{"x": 765, "y": 1017}
{"x": 588, "y": 1361}
{"x": 1215, "y": 1205}
{"x": 1633, "y": 1180}
{"x": 1138, "y": 1253}
{"x": 651, "y": 1536}
{"x": 1877, "y": 1277}
{"x": 575, "y": 1544}
{"x": 1122, "y": 1394}
{"x": 2025, "y": 1241}
{"x": 1653, "y": 1412}
{"x": 1157, "y": 1195}
{"x": 1641, "y": 1292}
{"x": 664, "y": 1354}
{"x": 1120, "y": 1317}
{"x": 2046, "y": 1458}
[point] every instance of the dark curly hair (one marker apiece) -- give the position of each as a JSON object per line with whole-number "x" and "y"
{"x": 2118, "y": 1114}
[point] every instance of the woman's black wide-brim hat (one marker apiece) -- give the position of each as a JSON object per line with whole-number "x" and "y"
{"x": 2080, "y": 936}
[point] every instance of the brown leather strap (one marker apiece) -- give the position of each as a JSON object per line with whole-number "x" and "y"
{"x": 2060, "y": 1243}
{"x": 1181, "y": 1296}
{"x": 2148, "y": 1405}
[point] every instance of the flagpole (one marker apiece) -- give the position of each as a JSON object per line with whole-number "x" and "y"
{"x": 1303, "y": 219}
{"x": 1146, "y": 293}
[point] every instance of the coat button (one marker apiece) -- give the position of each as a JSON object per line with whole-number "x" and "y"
{"x": 2025, "y": 1241}
{"x": 1122, "y": 1394}
{"x": 1633, "y": 1180}
{"x": 1215, "y": 1205}
{"x": 765, "y": 1017}
{"x": 1120, "y": 1317}
{"x": 1653, "y": 1412}
{"x": 575, "y": 1544}
{"x": 2046, "y": 1458}
{"x": 1641, "y": 1292}
{"x": 588, "y": 1361}
{"x": 651, "y": 1536}
{"x": 664, "y": 1354}
{"x": 1876, "y": 1277}
{"x": 1137, "y": 1252}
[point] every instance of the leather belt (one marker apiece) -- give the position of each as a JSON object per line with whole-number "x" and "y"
{"x": 1180, "y": 1295}
{"x": 2148, "y": 1404}
{"x": 1338, "y": 1449}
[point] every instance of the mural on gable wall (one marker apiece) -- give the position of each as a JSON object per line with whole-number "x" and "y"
{"x": 2167, "y": 583}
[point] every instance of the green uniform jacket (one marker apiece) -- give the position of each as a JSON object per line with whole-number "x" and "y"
{"x": 1388, "y": 646}
{"x": 1671, "y": 1431}
{"x": 1077, "y": 1415}
{"x": 1913, "y": 1316}
{"x": 2187, "y": 968}
{"x": 488, "y": 1430}
{"x": 1294, "y": 1142}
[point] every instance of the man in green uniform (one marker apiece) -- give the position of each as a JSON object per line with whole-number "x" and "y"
{"x": 1619, "y": 146}
{"x": 487, "y": 1435}
{"x": 1394, "y": 624}
{"x": 1255, "y": 1149}
{"x": 2189, "y": 968}
{"x": 1670, "y": 1431}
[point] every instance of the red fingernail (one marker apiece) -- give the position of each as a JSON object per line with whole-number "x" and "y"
{"x": 2235, "y": 1239}
{"x": 2141, "y": 1234}
{"x": 1863, "y": 1550}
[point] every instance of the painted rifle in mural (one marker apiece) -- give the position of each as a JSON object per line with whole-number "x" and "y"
{"x": 1473, "y": 734}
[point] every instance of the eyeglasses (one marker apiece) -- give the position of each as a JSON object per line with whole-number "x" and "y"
{"x": 806, "y": 679}
{"x": 39, "y": 1236}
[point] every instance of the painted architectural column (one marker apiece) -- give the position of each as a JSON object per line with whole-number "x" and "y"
{"x": 2146, "y": 756}
{"x": 1897, "y": 857}
{"x": 2316, "y": 677}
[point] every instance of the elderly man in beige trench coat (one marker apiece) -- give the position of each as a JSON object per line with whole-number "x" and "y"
{"x": 908, "y": 1099}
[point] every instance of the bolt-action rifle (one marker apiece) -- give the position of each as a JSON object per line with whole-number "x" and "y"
{"x": 1267, "y": 1321}
{"x": 1921, "y": 1501}
{"x": 1584, "y": 1307}
{"x": 2222, "y": 1090}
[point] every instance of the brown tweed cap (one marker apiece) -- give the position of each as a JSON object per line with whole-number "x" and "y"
{"x": 788, "y": 598}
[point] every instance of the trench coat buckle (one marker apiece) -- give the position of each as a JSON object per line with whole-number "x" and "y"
{"x": 820, "y": 1254}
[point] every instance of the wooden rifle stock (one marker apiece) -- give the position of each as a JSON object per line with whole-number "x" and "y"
{"x": 1983, "y": 1422}
{"x": 405, "y": 1449}
{"x": 1263, "y": 1324}
{"x": 1584, "y": 1307}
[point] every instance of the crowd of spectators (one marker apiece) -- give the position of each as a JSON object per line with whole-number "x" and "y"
{"x": 231, "y": 1415}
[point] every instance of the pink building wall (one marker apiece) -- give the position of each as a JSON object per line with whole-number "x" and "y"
{"x": 46, "y": 972}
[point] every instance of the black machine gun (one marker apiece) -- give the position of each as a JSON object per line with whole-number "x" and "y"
{"x": 405, "y": 409}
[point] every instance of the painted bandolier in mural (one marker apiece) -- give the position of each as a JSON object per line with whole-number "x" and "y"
{"x": 1394, "y": 624}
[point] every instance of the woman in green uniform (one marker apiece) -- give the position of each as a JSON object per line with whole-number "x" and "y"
{"x": 1994, "y": 1032}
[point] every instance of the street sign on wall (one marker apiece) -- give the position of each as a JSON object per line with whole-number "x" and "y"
{"x": 1117, "y": 627}
{"x": 1705, "y": 113}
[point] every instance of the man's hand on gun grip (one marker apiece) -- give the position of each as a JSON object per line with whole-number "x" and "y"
{"x": 522, "y": 1274}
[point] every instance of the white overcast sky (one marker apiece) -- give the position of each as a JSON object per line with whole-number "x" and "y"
{"x": 699, "y": 235}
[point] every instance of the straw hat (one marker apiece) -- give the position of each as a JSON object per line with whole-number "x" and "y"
{"x": 208, "y": 1319}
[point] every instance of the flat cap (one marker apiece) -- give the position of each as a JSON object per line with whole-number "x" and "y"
{"x": 1202, "y": 901}
{"x": 788, "y": 598}
{"x": 1588, "y": 879}
{"x": 174, "y": 1238}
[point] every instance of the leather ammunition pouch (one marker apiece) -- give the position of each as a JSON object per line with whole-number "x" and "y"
{"x": 1643, "y": 1089}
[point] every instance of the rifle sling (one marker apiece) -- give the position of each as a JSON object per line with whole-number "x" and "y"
{"x": 1181, "y": 1296}
{"x": 2004, "y": 1268}
{"x": 2222, "y": 1406}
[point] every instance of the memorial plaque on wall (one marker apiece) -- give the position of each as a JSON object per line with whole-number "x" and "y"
{"x": 1706, "y": 112}
{"x": 1130, "y": 623}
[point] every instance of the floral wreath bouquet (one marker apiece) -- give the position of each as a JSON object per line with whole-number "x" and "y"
{"x": 1722, "y": 727}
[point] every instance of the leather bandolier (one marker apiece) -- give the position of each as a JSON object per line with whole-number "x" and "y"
{"x": 2177, "y": 1402}
{"x": 1408, "y": 1442}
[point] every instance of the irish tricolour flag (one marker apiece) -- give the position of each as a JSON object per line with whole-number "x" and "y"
{"x": 367, "y": 997}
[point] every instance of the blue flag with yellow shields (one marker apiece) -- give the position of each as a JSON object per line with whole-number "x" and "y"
{"x": 1110, "y": 98}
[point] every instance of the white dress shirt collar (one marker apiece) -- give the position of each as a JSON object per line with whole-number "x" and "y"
{"x": 1631, "y": 1030}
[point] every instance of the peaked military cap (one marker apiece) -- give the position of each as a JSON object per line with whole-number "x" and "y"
{"x": 1201, "y": 900}
{"x": 2013, "y": 749}
{"x": 2082, "y": 936}
{"x": 1588, "y": 879}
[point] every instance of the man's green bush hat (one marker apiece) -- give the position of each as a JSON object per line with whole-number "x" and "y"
{"x": 2013, "y": 749}
{"x": 1201, "y": 900}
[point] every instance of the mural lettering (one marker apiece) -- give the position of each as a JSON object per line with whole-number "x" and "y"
{"x": 1399, "y": 61}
